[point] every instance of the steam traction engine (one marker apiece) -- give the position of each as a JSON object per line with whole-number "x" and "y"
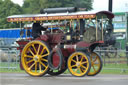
{"x": 69, "y": 42}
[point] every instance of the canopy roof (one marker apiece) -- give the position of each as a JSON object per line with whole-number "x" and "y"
{"x": 58, "y": 16}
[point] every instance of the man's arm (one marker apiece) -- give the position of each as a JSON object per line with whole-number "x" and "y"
{"x": 43, "y": 28}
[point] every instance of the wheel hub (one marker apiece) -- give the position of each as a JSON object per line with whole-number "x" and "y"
{"x": 36, "y": 58}
{"x": 78, "y": 64}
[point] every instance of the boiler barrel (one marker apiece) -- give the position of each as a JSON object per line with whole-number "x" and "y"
{"x": 58, "y": 10}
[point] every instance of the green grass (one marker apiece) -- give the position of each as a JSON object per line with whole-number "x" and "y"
{"x": 116, "y": 71}
{"x": 113, "y": 69}
{"x": 15, "y": 68}
{"x": 114, "y": 65}
{"x": 107, "y": 69}
{"x": 6, "y": 70}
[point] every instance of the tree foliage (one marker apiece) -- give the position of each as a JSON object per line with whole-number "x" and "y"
{"x": 8, "y": 8}
{"x": 34, "y": 6}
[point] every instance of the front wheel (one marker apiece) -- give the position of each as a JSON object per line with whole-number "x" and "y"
{"x": 79, "y": 64}
{"x": 96, "y": 64}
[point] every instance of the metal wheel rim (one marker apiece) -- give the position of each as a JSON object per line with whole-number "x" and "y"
{"x": 81, "y": 64}
{"x": 38, "y": 61}
{"x": 95, "y": 64}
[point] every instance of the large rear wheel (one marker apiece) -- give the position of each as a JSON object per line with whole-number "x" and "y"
{"x": 79, "y": 64}
{"x": 96, "y": 64}
{"x": 34, "y": 58}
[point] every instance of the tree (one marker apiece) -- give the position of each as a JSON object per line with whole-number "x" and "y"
{"x": 8, "y": 8}
{"x": 83, "y": 4}
{"x": 34, "y": 6}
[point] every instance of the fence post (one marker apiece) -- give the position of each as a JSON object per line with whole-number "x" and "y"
{"x": 104, "y": 58}
{"x": 126, "y": 14}
{"x": 127, "y": 53}
{"x": 9, "y": 58}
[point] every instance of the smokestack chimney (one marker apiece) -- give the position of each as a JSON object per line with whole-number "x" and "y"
{"x": 110, "y": 6}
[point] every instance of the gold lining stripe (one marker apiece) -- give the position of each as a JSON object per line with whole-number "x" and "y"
{"x": 51, "y": 18}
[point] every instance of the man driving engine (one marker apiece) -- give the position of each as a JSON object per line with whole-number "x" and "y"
{"x": 36, "y": 29}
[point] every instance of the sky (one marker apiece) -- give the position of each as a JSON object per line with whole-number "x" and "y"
{"x": 98, "y": 5}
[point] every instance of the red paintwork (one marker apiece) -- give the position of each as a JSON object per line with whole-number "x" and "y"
{"x": 21, "y": 66}
{"x": 55, "y": 38}
{"x": 21, "y": 43}
{"x": 66, "y": 52}
{"x": 52, "y": 40}
{"x": 43, "y": 37}
{"x": 107, "y": 13}
{"x": 84, "y": 44}
{"x": 56, "y": 59}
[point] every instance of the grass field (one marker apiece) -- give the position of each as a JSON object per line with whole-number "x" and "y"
{"x": 107, "y": 69}
{"x": 115, "y": 69}
{"x": 10, "y": 68}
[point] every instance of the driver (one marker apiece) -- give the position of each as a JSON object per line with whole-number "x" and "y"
{"x": 36, "y": 29}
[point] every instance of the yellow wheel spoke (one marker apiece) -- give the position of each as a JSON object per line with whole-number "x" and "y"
{"x": 73, "y": 61}
{"x": 42, "y": 64}
{"x": 38, "y": 50}
{"x": 76, "y": 70}
{"x": 77, "y": 59}
{"x": 80, "y": 70}
{"x": 96, "y": 64}
{"x": 31, "y": 51}
{"x": 94, "y": 68}
{"x": 42, "y": 51}
{"x": 36, "y": 67}
{"x": 28, "y": 56}
{"x": 83, "y": 66}
{"x": 95, "y": 59}
{"x": 40, "y": 67}
{"x": 31, "y": 66}
{"x": 44, "y": 59}
{"x": 84, "y": 62}
{"x": 29, "y": 61}
{"x": 81, "y": 59}
{"x": 34, "y": 47}
{"x": 73, "y": 66}
{"x": 44, "y": 55}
